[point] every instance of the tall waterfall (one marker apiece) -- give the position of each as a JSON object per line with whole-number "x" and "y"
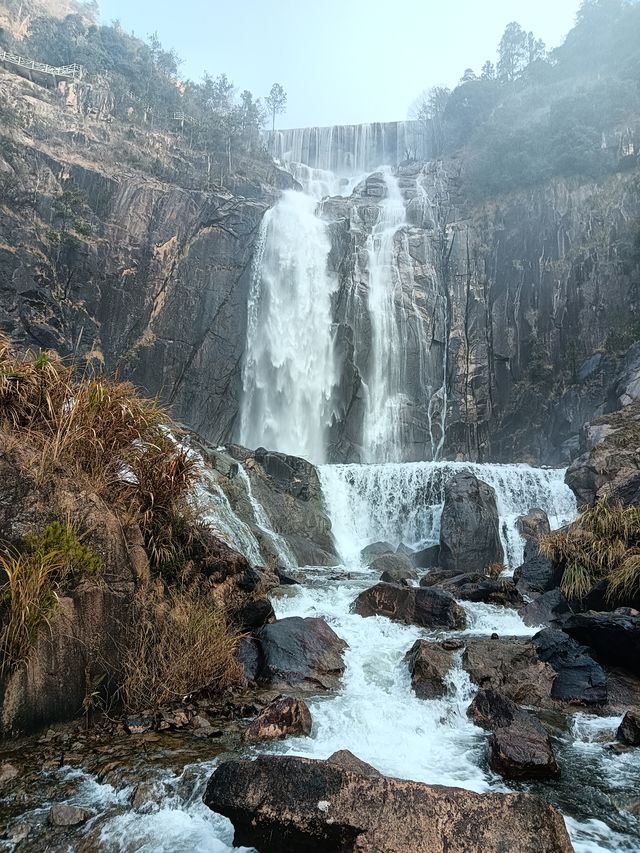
{"x": 382, "y": 434}
{"x": 352, "y": 149}
{"x": 403, "y": 502}
{"x": 289, "y": 371}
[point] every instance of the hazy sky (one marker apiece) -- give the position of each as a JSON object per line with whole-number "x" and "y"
{"x": 340, "y": 61}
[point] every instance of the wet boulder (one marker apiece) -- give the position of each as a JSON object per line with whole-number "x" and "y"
{"x": 429, "y": 608}
{"x": 519, "y": 747}
{"x": 254, "y": 614}
{"x": 348, "y": 761}
{"x": 550, "y": 609}
{"x": 537, "y": 574}
{"x": 534, "y": 525}
{"x": 629, "y": 729}
{"x": 614, "y": 637}
{"x": 285, "y": 717}
{"x": 306, "y": 653}
{"x": 287, "y": 804}
{"x": 427, "y": 558}
{"x": 480, "y": 588}
{"x": 429, "y": 663}
{"x": 65, "y": 815}
{"x": 394, "y": 568}
{"x": 579, "y": 678}
{"x": 376, "y": 549}
{"x": 469, "y": 527}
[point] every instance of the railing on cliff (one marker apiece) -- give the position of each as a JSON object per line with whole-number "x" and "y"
{"x": 62, "y": 72}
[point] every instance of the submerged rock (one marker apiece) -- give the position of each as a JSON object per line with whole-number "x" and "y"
{"x": 429, "y": 608}
{"x": 429, "y": 664}
{"x": 470, "y": 526}
{"x": 285, "y": 804}
{"x": 301, "y": 652}
{"x": 284, "y": 717}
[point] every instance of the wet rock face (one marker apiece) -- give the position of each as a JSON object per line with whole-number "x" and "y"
{"x": 429, "y": 664}
{"x": 282, "y": 804}
{"x": 470, "y": 527}
{"x": 537, "y": 574}
{"x": 629, "y": 729}
{"x": 519, "y": 747}
{"x": 579, "y": 678}
{"x": 534, "y": 525}
{"x": 427, "y": 607}
{"x": 306, "y": 653}
{"x": 614, "y": 637}
{"x": 283, "y": 718}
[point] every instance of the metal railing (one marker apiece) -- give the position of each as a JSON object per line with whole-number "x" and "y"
{"x": 74, "y": 71}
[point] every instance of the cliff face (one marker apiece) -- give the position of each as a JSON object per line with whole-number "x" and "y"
{"x": 147, "y": 275}
{"x": 119, "y": 247}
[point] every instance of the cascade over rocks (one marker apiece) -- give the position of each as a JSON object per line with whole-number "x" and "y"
{"x": 470, "y": 527}
{"x": 429, "y": 608}
{"x": 284, "y": 804}
{"x": 305, "y": 653}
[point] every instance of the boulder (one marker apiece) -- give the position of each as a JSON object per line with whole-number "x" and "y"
{"x": 376, "y": 549}
{"x": 478, "y": 587}
{"x": 394, "y": 568}
{"x": 438, "y": 577}
{"x": 429, "y": 608}
{"x": 300, "y": 652}
{"x": 519, "y": 747}
{"x": 64, "y": 815}
{"x": 429, "y": 664}
{"x": 427, "y": 558}
{"x": 629, "y": 729}
{"x": 579, "y": 678}
{"x": 284, "y": 717}
{"x": 286, "y": 804}
{"x": 534, "y": 525}
{"x": 255, "y": 614}
{"x": 537, "y": 573}
{"x": 547, "y": 609}
{"x": 615, "y": 637}
{"x": 348, "y": 761}
{"x": 469, "y": 527}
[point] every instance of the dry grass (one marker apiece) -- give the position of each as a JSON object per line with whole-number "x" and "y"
{"x": 602, "y": 544}
{"x": 495, "y": 570}
{"x": 181, "y": 646}
{"x": 101, "y": 431}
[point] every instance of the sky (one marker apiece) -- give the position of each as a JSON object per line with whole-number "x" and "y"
{"x": 340, "y": 61}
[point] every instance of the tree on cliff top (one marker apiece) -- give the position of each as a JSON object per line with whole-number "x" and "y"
{"x": 276, "y": 102}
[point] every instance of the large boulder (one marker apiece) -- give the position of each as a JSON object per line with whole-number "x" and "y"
{"x": 429, "y": 608}
{"x": 429, "y": 663}
{"x": 614, "y": 637}
{"x": 519, "y": 747}
{"x": 579, "y": 678}
{"x": 305, "y": 653}
{"x": 284, "y": 717}
{"x": 537, "y": 574}
{"x": 548, "y": 609}
{"x": 470, "y": 527}
{"x": 285, "y": 804}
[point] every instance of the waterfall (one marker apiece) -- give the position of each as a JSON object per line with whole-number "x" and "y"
{"x": 352, "y": 149}
{"x": 289, "y": 370}
{"x": 382, "y": 424}
{"x": 402, "y": 502}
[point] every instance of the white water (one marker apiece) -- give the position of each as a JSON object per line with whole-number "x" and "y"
{"x": 263, "y": 522}
{"x": 402, "y": 502}
{"x": 382, "y": 434}
{"x": 289, "y": 371}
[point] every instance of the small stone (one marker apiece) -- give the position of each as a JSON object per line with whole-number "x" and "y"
{"x": 286, "y": 716}
{"x": 64, "y": 815}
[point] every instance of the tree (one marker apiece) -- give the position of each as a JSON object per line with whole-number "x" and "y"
{"x": 276, "y": 102}
{"x": 536, "y": 49}
{"x": 428, "y": 109}
{"x": 468, "y": 76}
{"x": 512, "y": 52}
{"x": 488, "y": 71}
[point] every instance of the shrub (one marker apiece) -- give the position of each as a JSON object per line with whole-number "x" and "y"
{"x": 182, "y": 646}
{"x": 603, "y": 544}
{"x": 32, "y": 579}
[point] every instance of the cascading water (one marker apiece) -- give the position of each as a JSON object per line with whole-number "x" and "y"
{"x": 382, "y": 433}
{"x": 402, "y": 502}
{"x": 289, "y": 371}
